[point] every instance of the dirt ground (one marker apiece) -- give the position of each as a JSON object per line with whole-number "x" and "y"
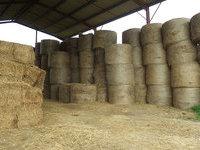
{"x": 106, "y": 127}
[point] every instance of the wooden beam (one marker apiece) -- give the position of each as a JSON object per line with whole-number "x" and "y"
{"x": 6, "y": 8}
{"x": 16, "y": 2}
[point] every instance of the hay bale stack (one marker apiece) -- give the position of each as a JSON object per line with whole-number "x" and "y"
{"x": 64, "y": 93}
{"x": 132, "y": 37}
{"x": 157, "y": 70}
{"x": 86, "y": 61}
{"x": 83, "y": 93}
{"x": 181, "y": 56}
{"x": 48, "y": 46}
{"x": 101, "y": 40}
{"x": 54, "y": 91}
{"x": 198, "y": 53}
{"x": 37, "y": 55}
{"x": 120, "y": 74}
{"x": 21, "y": 87}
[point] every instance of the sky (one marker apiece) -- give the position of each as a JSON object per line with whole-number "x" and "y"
{"x": 168, "y": 10}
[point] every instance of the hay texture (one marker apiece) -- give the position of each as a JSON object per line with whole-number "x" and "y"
{"x": 154, "y": 54}
{"x": 195, "y": 28}
{"x": 99, "y": 56}
{"x": 181, "y": 52}
{"x": 175, "y": 30}
{"x": 102, "y": 94}
{"x": 59, "y": 60}
{"x": 137, "y": 56}
{"x": 86, "y": 59}
{"x": 81, "y": 93}
{"x": 64, "y": 93}
{"x": 48, "y": 46}
{"x": 60, "y": 75}
{"x": 100, "y": 74}
{"x": 140, "y": 92}
{"x": 185, "y": 98}
{"x": 139, "y": 76}
{"x": 121, "y": 94}
{"x": 54, "y": 94}
{"x": 157, "y": 74}
{"x": 151, "y": 34}
{"x": 86, "y": 75}
{"x": 119, "y": 54}
{"x": 132, "y": 37}
{"x": 85, "y": 42}
{"x": 159, "y": 95}
{"x": 75, "y": 76}
{"x": 74, "y": 60}
{"x": 185, "y": 75}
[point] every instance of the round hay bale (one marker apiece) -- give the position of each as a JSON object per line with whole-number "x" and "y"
{"x": 181, "y": 52}
{"x": 121, "y": 94}
{"x": 99, "y": 56}
{"x": 185, "y": 75}
{"x": 23, "y": 54}
{"x": 75, "y": 77}
{"x": 185, "y": 98}
{"x": 46, "y": 91}
{"x": 104, "y": 38}
{"x": 140, "y": 92}
{"x": 69, "y": 45}
{"x": 60, "y": 75}
{"x": 119, "y": 54}
{"x": 198, "y": 53}
{"x": 120, "y": 74}
{"x": 154, "y": 54}
{"x": 194, "y": 28}
{"x": 139, "y": 75}
{"x": 48, "y": 46}
{"x": 64, "y": 93}
{"x": 74, "y": 60}
{"x": 157, "y": 74}
{"x": 44, "y": 62}
{"x": 102, "y": 94}
{"x": 132, "y": 36}
{"x": 159, "y": 95}
{"x": 86, "y": 75}
{"x": 54, "y": 90}
{"x": 81, "y": 93}
{"x": 151, "y": 34}
{"x": 137, "y": 56}
{"x": 85, "y": 42}
{"x": 175, "y": 30}
{"x": 59, "y": 60}
{"x": 100, "y": 75}
{"x": 86, "y": 59}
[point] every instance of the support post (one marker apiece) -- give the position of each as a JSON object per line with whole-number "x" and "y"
{"x": 148, "y": 20}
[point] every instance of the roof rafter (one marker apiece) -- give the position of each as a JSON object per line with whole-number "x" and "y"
{"x": 16, "y": 2}
{"x": 6, "y": 8}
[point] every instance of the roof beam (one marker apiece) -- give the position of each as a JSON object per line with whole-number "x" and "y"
{"x": 71, "y": 13}
{"x": 6, "y": 8}
{"x": 24, "y": 9}
{"x": 50, "y": 9}
{"x": 63, "y": 14}
{"x": 95, "y": 15}
{"x": 16, "y": 2}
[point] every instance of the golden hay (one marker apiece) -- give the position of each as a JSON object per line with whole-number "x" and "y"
{"x": 86, "y": 59}
{"x": 132, "y": 36}
{"x": 140, "y": 92}
{"x": 102, "y": 93}
{"x": 60, "y": 75}
{"x": 6, "y": 49}
{"x": 59, "y": 60}
{"x": 86, "y": 75}
{"x": 194, "y": 28}
{"x": 85, "y": 42}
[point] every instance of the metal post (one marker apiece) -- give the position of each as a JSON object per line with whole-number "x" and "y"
{"x": 148, "y": 20}
{"x": 36, "y": 36}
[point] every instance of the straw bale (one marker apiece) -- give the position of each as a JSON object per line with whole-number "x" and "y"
{"x": 60, "y": 75}
{"x": 75, "y": 77}
{"x": 99, "y": 56}
{"x": 151, "y": 34}
{"x": 85, "y": 42}
{"x": 159, "y": 95}
{"x": 74, "y": 60}
{"x": 139, "y": 75}
{"x": 195, "y": 28}
{"x": 120, "y": 74}
{"x": 34, "y": 76}
{"x": 80, "y": 93}
{"x": 48, "y": 46}
{"x": 86, "y": 59}
{"x": 64, "y": 93}
{"x": 185, "y": 98}
{"x": 29, "y": 115}
{"x": 140, "y": 92}
{"x": 132, "y": 36}
{"x": 185, "y": 75}
{"x": 154, "y": 54}
{"x": 86, "y": 75}
{"x": 137, "y": 56}
{"x": 102, "y": 94}
{"x": 104, "y": 38}
{"x": 59, "y": 60}
{"x": 33, "y": 96}
{"x": 181, "y": 52}
{"x": 157, "y": 74}
{"x": 175, "y": 30}
{"x": 119, "y": 54}
{"x": 6, "y": 49}
{"x": 54, "y": 94}
{"x": 100, "y": 74}
{"x": 121, "y": 94}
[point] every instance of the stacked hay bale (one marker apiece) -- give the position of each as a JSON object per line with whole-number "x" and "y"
{"x": 132, "y": 37}
{"x": 37, "y": 55}
{"x": 157, "y": 70}
{"x": 102, "y": 39}
{"x": 185, "y": 71}
{"x": 21, "y": 85}
{"x": 71, "y": 45}
{"x": 120, "y": 74}
{"x": 46, "y": 48}
{"x": 60, "y": 72}
{"x": 86, "y": 58}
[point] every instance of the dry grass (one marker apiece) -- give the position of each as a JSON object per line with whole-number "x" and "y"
{"x": 105, "y": 126}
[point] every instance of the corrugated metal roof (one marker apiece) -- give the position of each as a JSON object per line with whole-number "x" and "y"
{"x": 66, "y": 18}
